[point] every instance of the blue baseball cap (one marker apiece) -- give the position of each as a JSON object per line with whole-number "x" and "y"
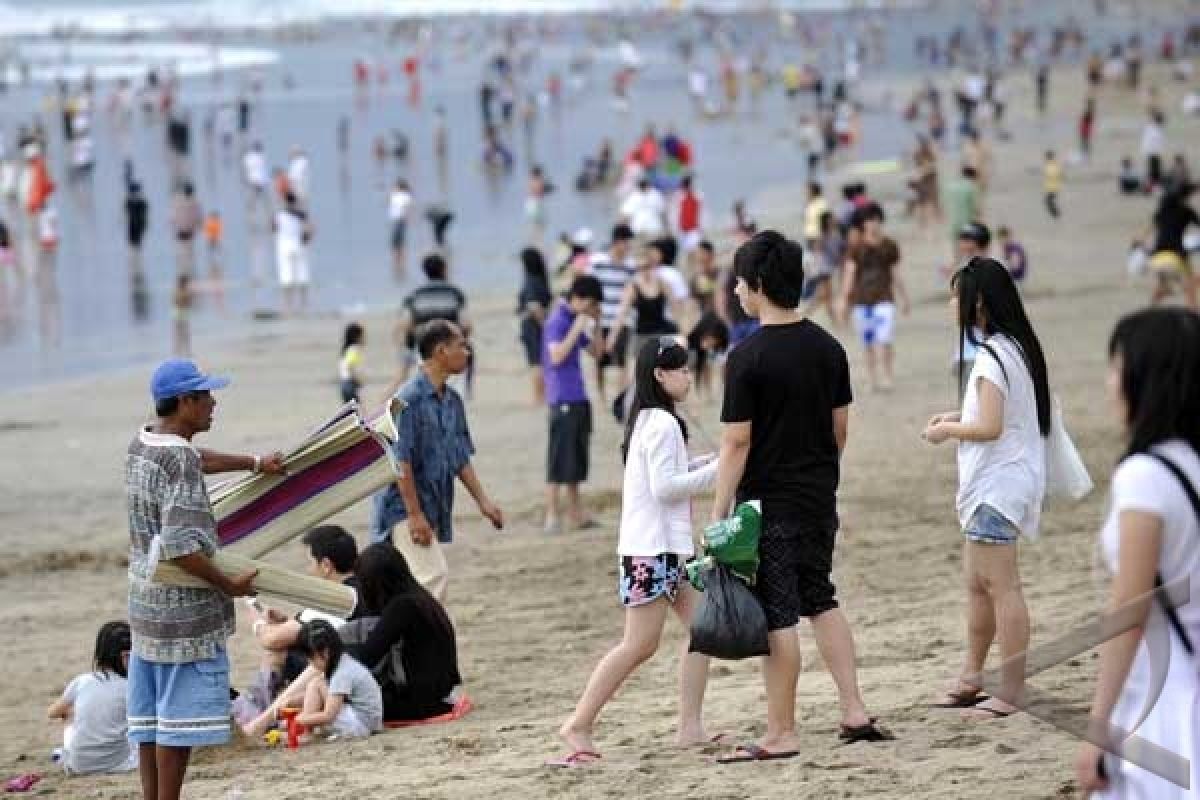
{"x": 178, "y": 376}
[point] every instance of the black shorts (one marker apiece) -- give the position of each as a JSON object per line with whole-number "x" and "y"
{"x": 615, "y": 358}
{"x": 399, "y": 228}
{"x": 567, "y": 450}
{"x": 794, "y": 570}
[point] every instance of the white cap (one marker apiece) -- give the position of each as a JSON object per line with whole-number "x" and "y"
{"x": 582, "y": 237}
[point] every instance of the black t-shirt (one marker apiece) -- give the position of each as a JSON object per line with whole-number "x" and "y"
{"x": 787, "y": 380}
{"x": 434, "y": 300}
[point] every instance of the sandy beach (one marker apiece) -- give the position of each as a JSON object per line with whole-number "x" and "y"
{"x": 534, "y": 613}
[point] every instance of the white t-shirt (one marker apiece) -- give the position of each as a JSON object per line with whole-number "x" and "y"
{"x": 98, "y": 738}
{"x": 398, "y": 205}
{"x": 354, "y": 682}
{"x": 1154, "y": 141}
{"x": 254, "y": 167}
{"x": 645, "y": 210}
{"x": 1141, "y": 483}
{"x": 675, "y": 282}
{"x": 1161, "y": 695}
{"x": 1008, "y": 473}
{"x": 656, "y": 511}
{"x": 289, "y": 228}
{"x": 297, "y": 173}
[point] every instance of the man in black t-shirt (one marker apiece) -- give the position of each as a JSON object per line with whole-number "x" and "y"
{"x": 785, "y": 414}
{"x": 437, "y": 298}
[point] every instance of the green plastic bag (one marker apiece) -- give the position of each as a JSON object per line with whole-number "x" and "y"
{"x": 734, "y": 541}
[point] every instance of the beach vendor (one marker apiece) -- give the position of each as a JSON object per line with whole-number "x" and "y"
{"x": 178, "y": 669}
{"x": 785, "y": 416}
{"x": 432, "y": 449}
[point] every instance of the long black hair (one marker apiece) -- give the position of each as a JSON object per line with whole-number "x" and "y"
{"x": 1160, "y": 376}
{"x": 534, "y": 265}
{"x": 383, "y": 575}
{"x": 318, "y": 636}
{"x": 113, "y": 643}
{"x": 984, "y": 284}
{"x": 664, "y": 352}
{"x": 353, "y": 335}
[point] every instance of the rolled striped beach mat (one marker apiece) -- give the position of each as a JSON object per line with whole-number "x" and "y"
{"x": 272, "y": 582}
{"x": 344, "y": 460}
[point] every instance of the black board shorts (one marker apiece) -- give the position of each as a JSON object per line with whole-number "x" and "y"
{"x": 567, "y": 450}
{"x": 795, "y": 570}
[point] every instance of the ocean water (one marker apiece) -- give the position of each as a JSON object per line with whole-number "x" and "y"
{"x": 307, "y": 90}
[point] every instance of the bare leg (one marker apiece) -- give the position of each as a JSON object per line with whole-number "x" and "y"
{"x": 781, "y": 670}
{"x": 981, "y": 619}
{"x": 539, "y": 387}
{"x": 148, "y": 771}
{"x": 889, "y": 354}
{"x": 997, "y": 570}
{"x": 872, "y": 370}
{"x": 836, "y": 643}
{"x": 289, "y": 697}
{"x": 552, "y": 505}
{"x": 643, "y": 628}
{"x": 172, "y": 767}
{"x": 693, "y": 676}
{"x": 575, "y": 505}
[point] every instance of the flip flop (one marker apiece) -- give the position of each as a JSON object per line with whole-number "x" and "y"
{"x": 579, "y": 758}
{"x": 963, "y": 698}
{"x": 865, "y": 733}
{"x": 995, "y": 713}
{"x": 752, "y": 752}
{"x": 22, "y": 783}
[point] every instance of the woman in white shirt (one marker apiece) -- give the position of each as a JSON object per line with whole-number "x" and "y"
{"x": 655, "y": 540}
{"x": 1001, "y": 434}
{"x": 1147, "y": 683}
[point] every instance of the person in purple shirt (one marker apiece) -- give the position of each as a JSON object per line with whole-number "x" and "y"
{"x": 569, "y": 331}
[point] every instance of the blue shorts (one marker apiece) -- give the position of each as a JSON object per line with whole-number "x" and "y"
{"x": 989, "y": 526}
{"x": 179, "y": 705}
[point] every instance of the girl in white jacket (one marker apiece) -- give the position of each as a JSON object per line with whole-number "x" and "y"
{"x": 655, "y": 541}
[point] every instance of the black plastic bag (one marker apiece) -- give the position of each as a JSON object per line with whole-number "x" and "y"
{"x": 730, "y": 623}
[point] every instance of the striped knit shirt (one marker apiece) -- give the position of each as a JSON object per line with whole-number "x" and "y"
{"x": 168, "y": 502}
{"x": 613, "y": 279}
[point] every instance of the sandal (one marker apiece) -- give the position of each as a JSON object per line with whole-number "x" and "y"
{"x": 864, "y": 733}
{"x": 963, "y": 698}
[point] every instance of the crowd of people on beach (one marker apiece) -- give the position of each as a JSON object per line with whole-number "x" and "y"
{"x": 670, "y": 295}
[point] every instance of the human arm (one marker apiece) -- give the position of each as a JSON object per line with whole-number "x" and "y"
{"x": 198, "y": 565}
{"x": 63, "y": 707}
{"x": 901, "y": 289}
{"x": 213, "y": 462}
{"x": 841, "y": 427}
{"x": 849, "y": 274}
{"x": 418, "y": 525}
{"x": 559, "y": 351}
{"x": 987, "y": 428}
{"x": 1137, "y": 565}
{"x": 731, "y": 465}
{"x": 614, "y": 333}
{"x": 333, "y": 706}
{"x": 662, "y": 439}
{"x": 486, "y": 507}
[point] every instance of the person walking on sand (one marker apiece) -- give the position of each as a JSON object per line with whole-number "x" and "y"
{"x": 1001, "y": 431}
{"x": 785, "y": 416}
{"x": 654, "y": 542}
{"x": 186, "y": 219}
{"x": 432, "y": 449}
{"x": 178, "y": 668}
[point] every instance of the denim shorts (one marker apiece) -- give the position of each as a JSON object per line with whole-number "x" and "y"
{"x": 989, "y": 526}
{"x": 179, "y": 705}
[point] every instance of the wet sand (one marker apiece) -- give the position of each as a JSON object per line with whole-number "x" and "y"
{"x": 535, "y": 613}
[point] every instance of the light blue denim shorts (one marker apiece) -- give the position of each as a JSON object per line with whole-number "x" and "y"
{"x": 989, "y": 526}
{"x": 179, "y": 705}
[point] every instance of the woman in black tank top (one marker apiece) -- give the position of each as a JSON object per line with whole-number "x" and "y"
{"x": 647, "y": 296}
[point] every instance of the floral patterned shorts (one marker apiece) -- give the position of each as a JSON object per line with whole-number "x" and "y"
{"x": 644, "y": 579}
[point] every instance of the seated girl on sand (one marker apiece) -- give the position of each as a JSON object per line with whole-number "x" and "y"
{"x": 337, "y": 695}
{"x": 93, "y": 707}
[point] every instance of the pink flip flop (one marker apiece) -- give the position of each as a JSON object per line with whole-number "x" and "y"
{"x": 22, "y": 783}
{"x": 579, "y": 758}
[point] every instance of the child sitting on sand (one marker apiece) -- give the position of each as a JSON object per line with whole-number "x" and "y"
{"x": 93, "y": 708}
{"x": 343, "y": 699}
{"x": 655, "y": 539}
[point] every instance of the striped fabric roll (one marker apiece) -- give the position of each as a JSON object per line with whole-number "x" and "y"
{"x": 343, "y": 461}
